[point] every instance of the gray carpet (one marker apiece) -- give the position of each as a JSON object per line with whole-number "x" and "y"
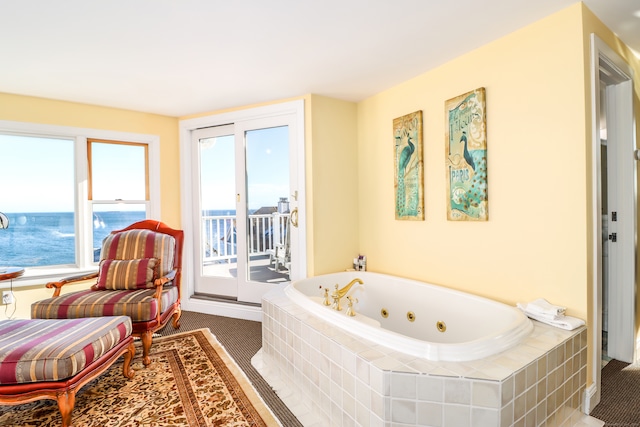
{"x": 620, "y": 402}
{"x": 242, "y": 339}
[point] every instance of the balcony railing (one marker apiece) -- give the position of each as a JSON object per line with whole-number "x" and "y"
{"x": 265, "y": 231}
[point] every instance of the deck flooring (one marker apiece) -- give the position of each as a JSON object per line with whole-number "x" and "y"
{"x": 261, "y": 270}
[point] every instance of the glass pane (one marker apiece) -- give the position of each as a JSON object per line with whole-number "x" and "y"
{"x": 267, "y": 164}
{"x": 113, "y": 216}
{"x": 218, "y": 202}
{"x": 37, "y": 181}
{"x": 118, "y": 171}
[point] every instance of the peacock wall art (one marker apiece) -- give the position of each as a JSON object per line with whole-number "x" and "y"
{"x": 407, "y": 132}
{"x": 466, "y": 157}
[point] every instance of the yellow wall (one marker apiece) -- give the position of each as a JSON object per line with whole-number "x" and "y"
{"x": 45, "y": 111}
{"x": 333, "y": 200}
{"x": 534, "y": 244}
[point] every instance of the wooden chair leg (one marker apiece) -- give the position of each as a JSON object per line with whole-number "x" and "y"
{"x": 128, "y": 357}
{"x": 175, "y": 322}
{"x": 147, "y": 338}
{"x": 66, "y": 402}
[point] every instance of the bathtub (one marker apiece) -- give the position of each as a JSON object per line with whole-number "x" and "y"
{"x": 416, "y": 318}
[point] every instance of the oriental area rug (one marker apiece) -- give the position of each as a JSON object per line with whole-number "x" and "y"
{"x": 191, "y": 382}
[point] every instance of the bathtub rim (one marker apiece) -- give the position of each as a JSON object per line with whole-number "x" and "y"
{"x": 476, "y": 349}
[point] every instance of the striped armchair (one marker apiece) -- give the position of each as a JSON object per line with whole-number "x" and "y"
{"x": 138, "y": 276}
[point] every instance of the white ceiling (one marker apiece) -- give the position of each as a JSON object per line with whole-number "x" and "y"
{"x": 179, "y": 57}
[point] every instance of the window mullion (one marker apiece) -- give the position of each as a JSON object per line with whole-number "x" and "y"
{"x": 82, "y": 208}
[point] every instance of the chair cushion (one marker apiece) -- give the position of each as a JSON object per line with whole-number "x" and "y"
{"x": 35, "y": 350}
{"x": 139, "y": 304}
{"x": 138, "y": 244}
{"x": 127, "y": 274}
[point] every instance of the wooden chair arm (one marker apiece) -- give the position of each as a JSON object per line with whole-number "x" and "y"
{"x": 59, "y": 284}
{"x": 161, "y": 281}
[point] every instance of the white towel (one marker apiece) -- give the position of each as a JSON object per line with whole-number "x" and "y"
{"x": 561, "y": 321}
{"x": 564, "y": 322}
{"x": 543, "y": 307}
{"x": 526, "y": 309}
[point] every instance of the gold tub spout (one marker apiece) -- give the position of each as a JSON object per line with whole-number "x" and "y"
{"x": 337, "y": 294}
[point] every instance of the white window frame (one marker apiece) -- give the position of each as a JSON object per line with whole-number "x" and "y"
{"x": 82, "y": 206}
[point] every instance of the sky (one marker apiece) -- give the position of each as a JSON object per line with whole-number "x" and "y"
{"x": 37, "y": 174}
{"x": 267, "y": 164}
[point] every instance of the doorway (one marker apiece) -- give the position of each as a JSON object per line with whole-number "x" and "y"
{"x": 244, "y": 204}
{"x": 614, "y": 213}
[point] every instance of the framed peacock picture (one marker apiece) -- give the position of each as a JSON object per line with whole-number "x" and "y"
{"x": 407, "y": 131}
{"x": 466, "y": 152}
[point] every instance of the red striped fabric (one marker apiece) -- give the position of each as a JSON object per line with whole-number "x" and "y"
{"x": 127, "y": 274}
{"x": 36, "y": 350}
{"x": 139, "y": 244}
{"x": 139, "y": 304}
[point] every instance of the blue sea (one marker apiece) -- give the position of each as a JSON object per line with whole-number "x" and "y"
{"x": 48, "y": 238}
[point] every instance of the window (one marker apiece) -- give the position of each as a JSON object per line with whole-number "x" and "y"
{"x": 118, "y": 186}
{"x": 37, "y": 182}
{"x": 64, "y": 191}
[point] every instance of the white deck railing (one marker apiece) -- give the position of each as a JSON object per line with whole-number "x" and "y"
{"x": 219, "y": 236}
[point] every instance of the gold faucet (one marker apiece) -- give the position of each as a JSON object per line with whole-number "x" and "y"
{"x": 325, "y": 292}
{"x": 350, "y": 311}
{"x": 337, "y": 294}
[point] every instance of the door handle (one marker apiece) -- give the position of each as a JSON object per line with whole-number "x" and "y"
{"x": 294, "y": 217}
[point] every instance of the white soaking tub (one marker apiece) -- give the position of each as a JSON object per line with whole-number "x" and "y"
{"x": 415, "y": 318}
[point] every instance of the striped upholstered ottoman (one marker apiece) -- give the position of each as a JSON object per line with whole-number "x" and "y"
{"x": 53, "y": 359}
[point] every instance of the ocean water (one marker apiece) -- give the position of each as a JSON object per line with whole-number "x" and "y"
{"x": 48, "y": 238}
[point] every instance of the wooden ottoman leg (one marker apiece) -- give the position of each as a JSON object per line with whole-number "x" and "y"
{"x": 66, "y": 402}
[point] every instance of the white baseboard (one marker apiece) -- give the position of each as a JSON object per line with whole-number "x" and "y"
{"x": 590, "y": 399}
{"x": 236, "y": 311}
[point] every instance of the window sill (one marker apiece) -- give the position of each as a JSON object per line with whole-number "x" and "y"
{"x": 33, "y": 277}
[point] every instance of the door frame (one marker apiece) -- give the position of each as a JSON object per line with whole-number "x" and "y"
{"x": 232, "y": 309}
{"x": 620, "y": 123}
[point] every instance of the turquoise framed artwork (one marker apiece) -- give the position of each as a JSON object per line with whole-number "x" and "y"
{"x": 408, "y": 167}
{"x": 466, "y": 157}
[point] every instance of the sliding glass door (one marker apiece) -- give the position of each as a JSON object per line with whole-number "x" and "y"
{"x": 245, "y": 209}
{"x": 216, "y": 212}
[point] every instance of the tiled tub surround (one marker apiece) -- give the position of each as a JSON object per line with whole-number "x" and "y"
{"x": 329, "y": 377}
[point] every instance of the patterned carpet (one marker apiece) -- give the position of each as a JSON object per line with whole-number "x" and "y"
{"x": 190, "y": 374}
{"x": 242, "y": 339}
{"x": 191, "y": 382}
{"x": 619, "y": 405}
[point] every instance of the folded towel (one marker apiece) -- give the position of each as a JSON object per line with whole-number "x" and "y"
{"x": 542, "y": 307}
{"x": 526, "y": 308}
{"x": 564, "y": 322}
{"x": 544, "y": 312}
